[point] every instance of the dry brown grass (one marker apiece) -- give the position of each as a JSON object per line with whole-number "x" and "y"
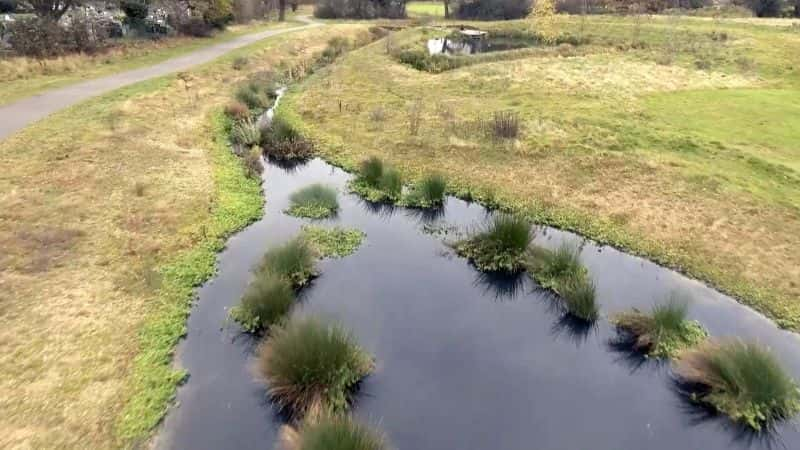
{"x": 81, "y": 246}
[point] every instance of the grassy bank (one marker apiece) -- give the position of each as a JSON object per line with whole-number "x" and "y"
{"x": 112, "y": 211}
{"x": 642, "y": 138}
{"x": 23, "y": 77}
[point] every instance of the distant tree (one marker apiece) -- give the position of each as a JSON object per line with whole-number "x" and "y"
{"x": 447, "y": 8}
{"x": 52, "y": 9}
{"x": 797, "y": 8}
{"x": 492, "y": 9}
{"x": 765, "y": 8}
{"x": 8, "y": 6}
{"x": 281, "y": 10}
{"x": 135, "y": 10}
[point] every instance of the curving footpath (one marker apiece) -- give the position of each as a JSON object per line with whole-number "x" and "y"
{"x": 18, "y": 115}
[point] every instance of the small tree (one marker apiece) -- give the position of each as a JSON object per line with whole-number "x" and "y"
{"x": 281, "y": 10}
{"x": 447, "y": 8}
{"x": 8, "y": 6}
{"x": 135, "y": 10}
{"x": 543, "y": 15}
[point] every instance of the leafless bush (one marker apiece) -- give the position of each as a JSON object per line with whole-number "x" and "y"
{"x": 505, "y": 125}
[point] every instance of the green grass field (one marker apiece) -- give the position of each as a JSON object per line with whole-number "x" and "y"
{"x": 674, "y": 138}
{"x": 425, "y": 9}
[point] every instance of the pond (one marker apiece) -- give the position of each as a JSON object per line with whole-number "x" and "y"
{"x": 458, "y": 45}
{"x": 464, "y": 361}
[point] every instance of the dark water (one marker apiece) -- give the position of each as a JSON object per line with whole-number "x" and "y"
{"x": 468, "y": 46}
{"x": 464, "y": 362}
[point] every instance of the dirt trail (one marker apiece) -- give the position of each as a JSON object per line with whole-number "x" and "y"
{"x": 17, "y": 115}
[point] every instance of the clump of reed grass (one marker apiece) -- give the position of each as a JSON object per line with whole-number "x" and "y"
{"x": 550, "y": 267}
{"x": 316, "y": 201}
{"x": 578, "y": 293}
{"x": 429, "y": 192}
{"x": 376, "y": 182}
{"x": 664, "y": 332}
{"x": 740, "y": 379}
{"x": 245, "y": 132}
{"x": 252, "y": 163}
{"x": 312, "y": 367}
{"x": 254, "y": 94}
{"x": 282, "y": 141}
{"x": 295, "y": 260}
{"x": 268, "y": 298}
{"x": 332, "y": 432}
{"x": 500, "y": 246}
{"x": 371, "y": 171}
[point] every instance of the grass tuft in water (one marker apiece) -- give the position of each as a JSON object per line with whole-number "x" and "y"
{"x": 312, "y": 367}
{"x": 295, "y": 260}
{"x": 376, "y": 182}
{"x": 334, "y": 242}
{"x": 428, "y": 193}
{"x": 500, "y": 246}
{"x": 741, "y": 379}
{"x": 371, "y": 171}
{"x": 333, "y": 432}
{"x": 578, "y": 293}
{"x": 314, "y": 202}
{"x": 266, "y": 301}
{"x": 549, "y": 267}
{"x": 664, "y": 332}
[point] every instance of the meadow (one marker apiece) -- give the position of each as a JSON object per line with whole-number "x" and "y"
{"x": 670, "y": 137}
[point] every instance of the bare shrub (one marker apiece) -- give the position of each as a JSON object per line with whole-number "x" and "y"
{"x": 237, "y": 110}
{"x": 505, "y": 125}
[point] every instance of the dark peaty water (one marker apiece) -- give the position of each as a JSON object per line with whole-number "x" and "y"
{"x": 464, "y": 361}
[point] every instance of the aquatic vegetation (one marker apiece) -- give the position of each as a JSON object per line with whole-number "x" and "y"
{"x": 254, "y": 94}
{"x": 664, "y": 332}
{"x": 499, "y": 246}
{"x": 282, "y": 141}
{"x": 295, "y": 260}
{"x": 549, "y": 267}
{"x": 333, "y": 432}
{"x": 391, "y": 183}
{"x": 428, "y": 193}
{"x": 743, "y": 380}
{"x": 316, "y": 201}
{"x": 312, "y": 366}
{"x": 371, "y": 171}
{"x": 245, "y": 132}
{"x": 376, "y": 182}
{"x": 251, "y": 160}
{"x": 266, "y": 301}
{"x": 578, "y": 293}
{"x": 336, "y": 242}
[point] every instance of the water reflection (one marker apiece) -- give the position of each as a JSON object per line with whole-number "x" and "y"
{"x": 425, "y": 216}
{"x": 622, "y": 346}
{"x": 502, "y": 286}
{"x": 572, "y": 328}
{"x": 458, "y": 45}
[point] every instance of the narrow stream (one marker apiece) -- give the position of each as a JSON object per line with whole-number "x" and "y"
{"x": 463, "y": 361}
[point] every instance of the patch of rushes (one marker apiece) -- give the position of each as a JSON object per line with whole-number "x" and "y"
{"x": 560, "y": 270}
{"x": 312, "y": 367}
{"x": 376, "y": 182}
{"x": 333, "y": 432}
{"x": 427, "y": 193}
{"x": 334, "y": 242}
{"x": 316, "y": 201}
{"x": 266, "y": 301}
{"x": 742, "y": 380}
{"x": 295, "y": 260}
{"x": 664, "y": 332}
{"x": 270, "y": 296}
{"x": 499, "y": 246}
